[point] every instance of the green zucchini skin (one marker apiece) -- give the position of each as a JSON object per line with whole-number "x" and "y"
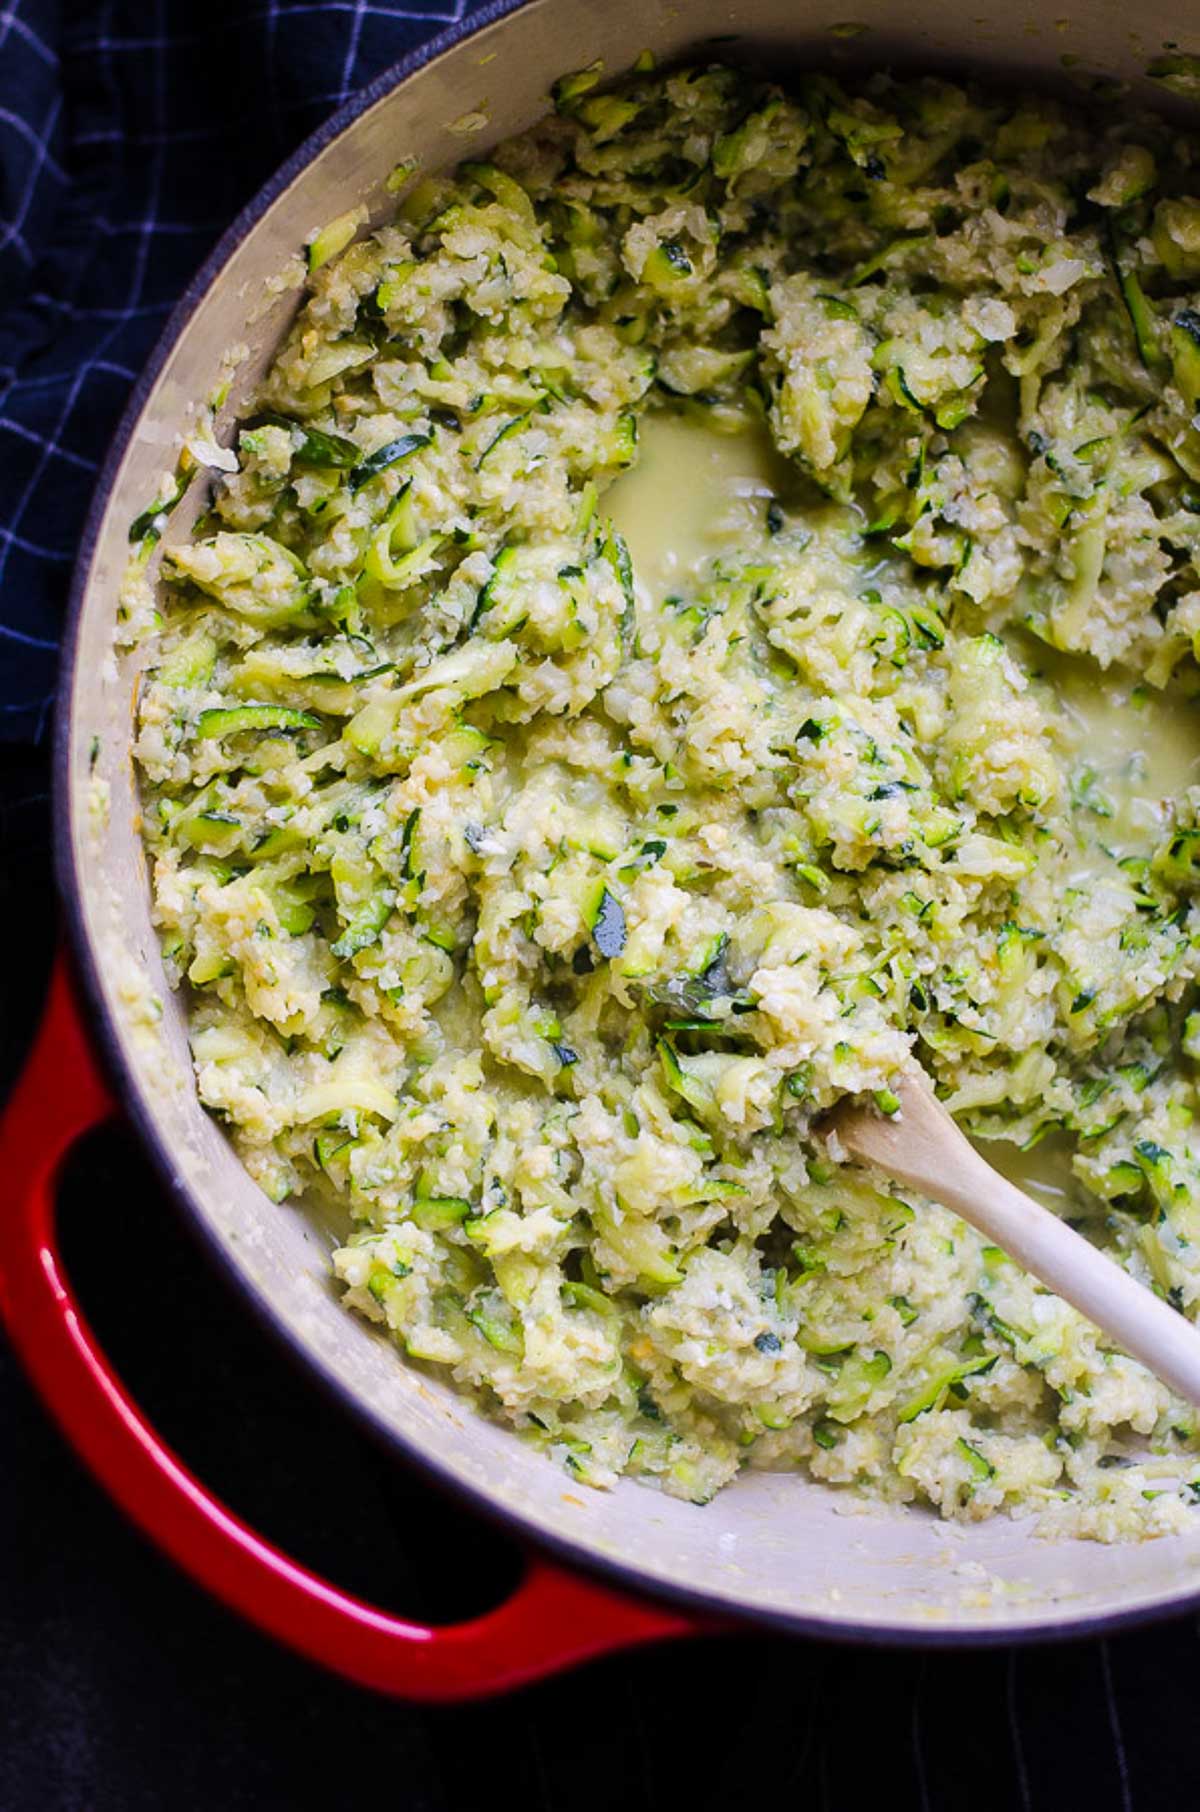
{"x": 236, "y": 719}
{"x": 387, "y": 456}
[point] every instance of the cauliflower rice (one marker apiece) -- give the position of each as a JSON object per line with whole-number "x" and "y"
{"x": 533, "y": 899}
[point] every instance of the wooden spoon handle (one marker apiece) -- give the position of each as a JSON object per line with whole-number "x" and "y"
{"x": 925, "y": 1148}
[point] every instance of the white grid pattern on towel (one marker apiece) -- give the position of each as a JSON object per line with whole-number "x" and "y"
{"x": 106, "y": 209}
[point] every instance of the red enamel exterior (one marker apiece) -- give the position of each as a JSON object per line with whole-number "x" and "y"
{"x": 554, "y": 1620}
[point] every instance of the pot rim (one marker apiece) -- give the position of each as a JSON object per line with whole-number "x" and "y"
{"x": 102, "y": 1032}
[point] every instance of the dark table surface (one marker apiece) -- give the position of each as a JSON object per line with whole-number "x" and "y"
{"x": 123, "y": 1687}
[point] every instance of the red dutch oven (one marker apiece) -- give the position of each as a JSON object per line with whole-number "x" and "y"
{"x": 606, "y": 1570}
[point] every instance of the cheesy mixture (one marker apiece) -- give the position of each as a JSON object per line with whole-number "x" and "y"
{"x": 704, "y": 608}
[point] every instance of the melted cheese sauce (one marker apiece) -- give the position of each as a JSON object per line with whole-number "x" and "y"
{"x": 1130, "y": 747}
{"x": 692, "y": 494}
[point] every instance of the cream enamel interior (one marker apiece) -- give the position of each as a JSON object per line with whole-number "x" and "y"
{"x": 772, "y": 1544}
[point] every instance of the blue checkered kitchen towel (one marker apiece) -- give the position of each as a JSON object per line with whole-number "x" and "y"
{"x": 131, "y": 132}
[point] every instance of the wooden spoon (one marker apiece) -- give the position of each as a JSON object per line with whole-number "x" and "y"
{"x": 922, "y": 1146}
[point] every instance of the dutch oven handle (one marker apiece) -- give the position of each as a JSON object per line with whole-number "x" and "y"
{"x": 552, "y": 1621}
